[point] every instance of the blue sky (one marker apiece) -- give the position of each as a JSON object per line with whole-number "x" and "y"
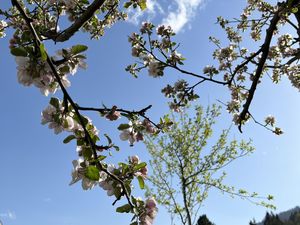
{"x": 35, "y": 166}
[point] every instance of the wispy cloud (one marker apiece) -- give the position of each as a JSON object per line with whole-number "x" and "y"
{"x": 176, "y": 13}
{"x": 183, "y": 13}
{"x": 8, "y": 214}
{"x": 136, "y": 15}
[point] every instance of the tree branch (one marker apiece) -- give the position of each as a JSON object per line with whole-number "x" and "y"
{"x": 265, "y": 51}
{"x": 79, "y": 22}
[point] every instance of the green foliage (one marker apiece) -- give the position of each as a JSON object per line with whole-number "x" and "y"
{"x": 19, "y": 51}
{"x": 76, "y": 49}
{"x": 69, "y": 138}
{"x": 124, "y": 209}
{"x": 141, "y": 182}
{"x": 92, "y": 173}
{"x": 123, "y": 126}
{"x": 43, "y": 52}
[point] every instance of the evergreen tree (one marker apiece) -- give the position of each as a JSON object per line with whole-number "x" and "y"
{"x": 271, "y": 219}
{"x": 294, "y": 218}
{"x": 203, "y": 220}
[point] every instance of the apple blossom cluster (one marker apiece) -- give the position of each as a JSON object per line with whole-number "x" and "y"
{"x": 147, "y": 53}
{"x": 78, "y": 173}
{"x": 181, "y": 94}
{"x": 150, "y": 212}
{"x": 134, "y": 130}
{"x": 61, "y": 118}
{"x": 37, "y": 72}
{"x": 3, "y": 25}
{"x": 90, "y": 177}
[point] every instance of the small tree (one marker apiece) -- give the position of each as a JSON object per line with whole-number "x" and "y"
{"x": 185, "y": 166}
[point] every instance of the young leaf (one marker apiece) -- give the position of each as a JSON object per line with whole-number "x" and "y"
{"x": 127, "y": 5}
{"x": 101, "y": 157}
{"x": 54, "y": 102}
{"x": 43, "y": 52}
{"x": 124, "y": 209}
{"x": 141, "y": 182}
{"x": 134, "y": 223}
{"x": 87, "y": 153}
{"x": 19, "y": 51}
{"x": 92, "y": 173}
{"x": 78, "y": 48}
{"x": 123, "y": 126}
{"x": 117, "y": 148}
{"x": 140, "y": 166}
{"x": 142, "y": 4}
{"x": 108, "y": 139}
{"x": 69, "y": 138}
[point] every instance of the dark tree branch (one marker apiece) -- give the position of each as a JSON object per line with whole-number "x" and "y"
{"x": 79, "y": 22}
{"x": 265, "y": 51}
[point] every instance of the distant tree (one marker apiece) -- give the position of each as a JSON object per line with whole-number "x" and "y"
{"x": 294, "y": 218}
{"x": 186, "y": 166}
{"x": 274, "y": 219}
{"x": 271, "y": 219}
{"x": 203, "y": 220}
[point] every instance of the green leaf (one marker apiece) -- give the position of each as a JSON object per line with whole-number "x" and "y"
{"x": 123, "y": 126}
{"x": 141, "y": 182}
{"x": 78, "y": 49}
{"x": 19, "y": 51}
{"x": 54, "y": 102}
{"x": 80, "y": 142}
{"x": 43, "y": 52}
{"x": 128, "y": 186}
{"x": 92, "y": 173}
{"x": 140, "y": 166}
{"x": 142, "y": 5}
{"x": 127, "y": 5}
{"x": 69, "y": 138}
{"x": 87, "y": 153}
{"x": 117, "y": 148}
{"x": 65, "y": 69}
{"x": 117, "y": 192}
{"x": 134, "y": 223}
{"x": 108, "y": 139}
{"x": 294, "y": 10}
{"x": 101, "y": 157}
{"x": 124, "y": 209}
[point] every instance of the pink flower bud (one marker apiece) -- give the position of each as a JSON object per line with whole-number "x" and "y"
{"x": 135, "y": 159}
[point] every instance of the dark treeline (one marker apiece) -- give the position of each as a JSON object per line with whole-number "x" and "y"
{"x": 270, "y": 219}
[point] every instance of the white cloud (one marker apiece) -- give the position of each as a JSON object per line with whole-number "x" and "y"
{"x": 9, "y": 214}
{"x": 136, "y": 15}
{"x": 183, "y": 13}
{"x": 177, "y": 14}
